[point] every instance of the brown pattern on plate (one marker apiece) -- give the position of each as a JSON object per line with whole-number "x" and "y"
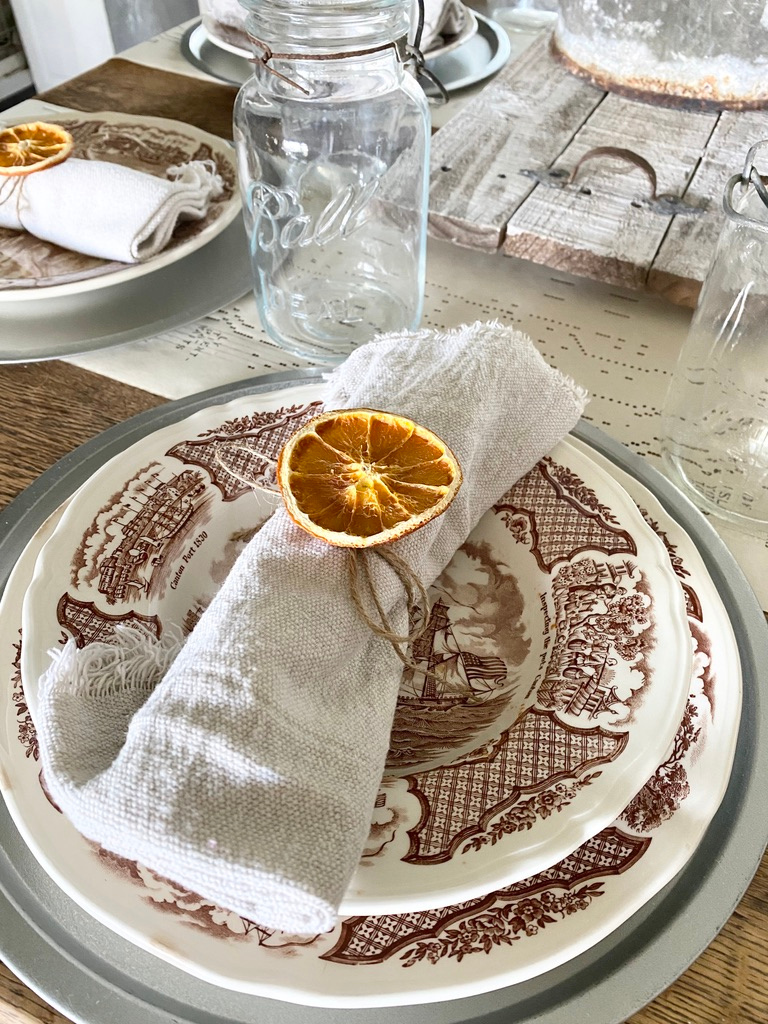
{"x": 242, "y": 453}
{"x": 503, "y": 916}
{"x": 136, "y": 535}
{"x": 560, "y": 516}
{"x": 30, "y": 262}
{"x": 662, "y": 795}
{"x": 601, "y": 616}
{"x": 692, "y": 602}
{"x": 460, "y": 801}
{"x": 89, "y": 625}
{"x": 25, "y": 727}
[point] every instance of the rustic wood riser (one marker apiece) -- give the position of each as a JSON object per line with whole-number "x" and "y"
{"x": 537, "y": 117}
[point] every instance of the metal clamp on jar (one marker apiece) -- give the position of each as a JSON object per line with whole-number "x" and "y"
{"x": 332, "y": 135}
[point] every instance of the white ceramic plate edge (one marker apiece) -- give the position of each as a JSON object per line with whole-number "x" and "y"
{"x": 36, "y": 109}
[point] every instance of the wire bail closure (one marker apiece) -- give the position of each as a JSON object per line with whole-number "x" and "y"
{"x": 406, "y": 53}
{"x": 749, "y": 176}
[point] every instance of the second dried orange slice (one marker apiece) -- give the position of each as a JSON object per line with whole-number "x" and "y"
{"x": 359, "y": 477}
{"x": 25, "y": 148}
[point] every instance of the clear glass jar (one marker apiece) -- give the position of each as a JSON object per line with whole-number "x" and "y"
{"x": 701, "y": 53}
{"x": 332, "y": 136}
{"x": 715, "y": 420}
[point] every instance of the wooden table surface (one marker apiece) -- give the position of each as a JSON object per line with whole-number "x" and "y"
{"x": 51, "y": 407}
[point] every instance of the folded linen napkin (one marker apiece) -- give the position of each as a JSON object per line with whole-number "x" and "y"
{"x": 248, "y": 771}
{"x": 442, "y": 19}
{"x": 107, "y": 210}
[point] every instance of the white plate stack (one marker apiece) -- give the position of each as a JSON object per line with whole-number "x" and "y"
{"x": 562, "y": 770}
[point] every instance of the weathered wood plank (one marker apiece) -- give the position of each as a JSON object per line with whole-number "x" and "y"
{"x": 525, "y": 116}
{"x": 601, "y": 225}
{"x": 536, "y": 116}
{"x": 131, "y": 88}
{"x": 684, "y": 254}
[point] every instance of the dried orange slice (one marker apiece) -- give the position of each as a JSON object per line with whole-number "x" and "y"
{"x": 25, "y": 148}
{"x": 358, "y": 477}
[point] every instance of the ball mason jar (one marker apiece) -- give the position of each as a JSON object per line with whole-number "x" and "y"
{"x": 714, "y": 441}
{"x": 332, "y": 138}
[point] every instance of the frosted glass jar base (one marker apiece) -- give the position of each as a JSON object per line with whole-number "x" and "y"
{"x": 720, "y": 496}
{"x": 353, "y": 318}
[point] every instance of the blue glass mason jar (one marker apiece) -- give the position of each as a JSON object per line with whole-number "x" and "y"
{"x": 332, "y": 137}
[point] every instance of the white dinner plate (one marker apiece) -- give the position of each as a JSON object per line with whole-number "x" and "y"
{"x": 436, "y": 957}
{"x": 33, "y": 270}
{"x": 594, "y": 646}
{"x": 582, "y": 626}
{"x": 178, "y": 294}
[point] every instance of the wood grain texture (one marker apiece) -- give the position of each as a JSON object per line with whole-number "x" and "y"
{"x": 20, "y": 1005}
{"x": 602, "y": 225}
{"x": 129, "y": 88}
{"x": 520, "y": 120}
{"x": 687, "y": 247}
{"x": 51, "y": 408}
{"x": 536, "y": 116}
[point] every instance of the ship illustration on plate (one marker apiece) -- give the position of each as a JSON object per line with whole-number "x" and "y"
{"x": 466, "y": 666}
{"x": 450, "y": 675}
{"x": 141, "y": 533}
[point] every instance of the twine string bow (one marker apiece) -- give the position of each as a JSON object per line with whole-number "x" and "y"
{"x": 10, "y": 187}
{"x": 362, "y": 586}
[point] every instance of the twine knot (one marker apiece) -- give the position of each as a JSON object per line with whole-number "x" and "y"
{"x": 13, "y": 185}
{"x": 359, "y": 576}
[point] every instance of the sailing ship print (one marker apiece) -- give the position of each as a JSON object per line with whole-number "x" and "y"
{"x": 150, "y": 521}
{"x": 461, "y": 684}
{"x": 449, "y": 674}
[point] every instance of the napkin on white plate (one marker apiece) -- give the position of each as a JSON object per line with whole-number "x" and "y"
{"x": 107, "y": 210}
{"x": 442, "y": 19}
{"x": 248, "y": 771}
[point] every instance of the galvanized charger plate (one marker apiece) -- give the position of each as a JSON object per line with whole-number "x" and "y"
{"x": 92, "y": 975}
{"x": 473, "y": 60}
{"x": 49, "y": 328}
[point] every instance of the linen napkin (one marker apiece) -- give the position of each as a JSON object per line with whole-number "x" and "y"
{"x": 107, "y": 210}
{"x": 442, "y": 19}
{"x": 248, "y": 771}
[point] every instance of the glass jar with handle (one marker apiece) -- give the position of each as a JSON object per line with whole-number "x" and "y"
{"x": 332, "y": 136}
{"x": 715, "y": 420}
